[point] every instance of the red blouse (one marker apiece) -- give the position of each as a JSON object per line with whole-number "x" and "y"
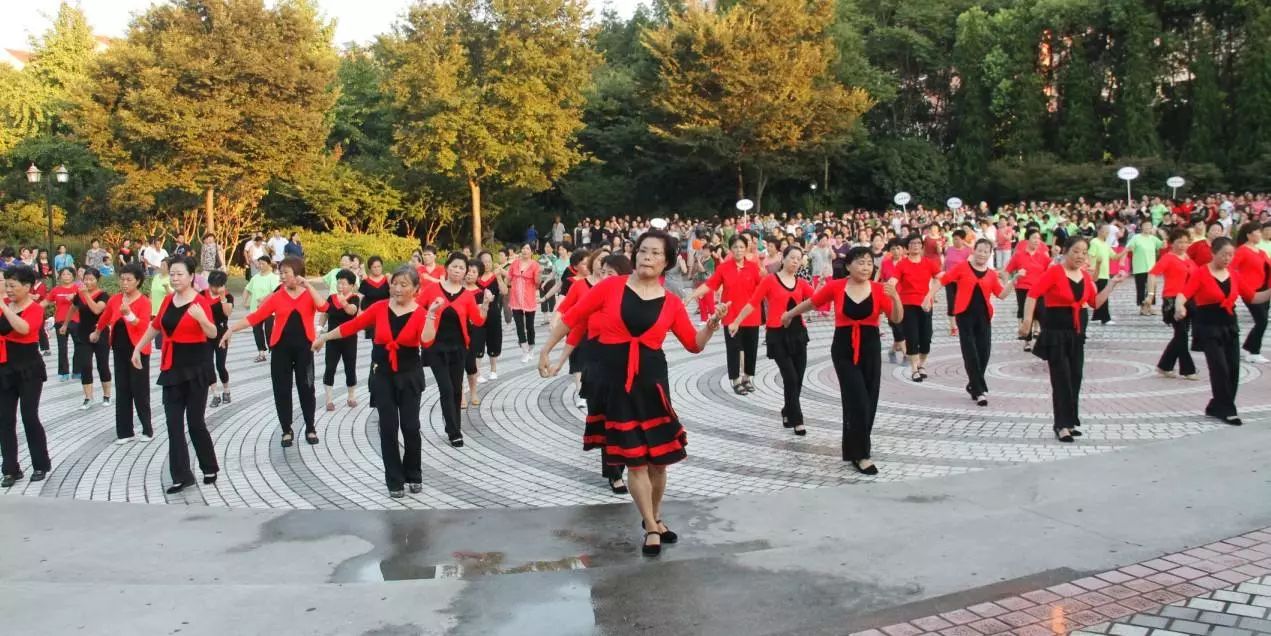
{"x": 836, "y": 291}
{"x": 377, "y": 315}
{"x": 1251, "y": 264}
{"x": 465, "y": 306}
{"x": 964, "y": 277}
{"x": 34, "y": 317}
{"x": 62, "y": 297}
{"x": 436, "y": 271}
{"x": 738, "y": 283}
{"x": 913, "y": 279}
{"x": 778, "y": 296}
{"x": 188, "y": 330}
{"x": 280, "y": 305}
{"x": 136, "y": 328}
{"x": 576, "y": 291}
{"x": 1034, "y": 266}
{"x": 605, "y": 303}
{"x": 1175, "y": 270}
{"x": 1203, "y": 289}
{"x": 1056, "y": 288}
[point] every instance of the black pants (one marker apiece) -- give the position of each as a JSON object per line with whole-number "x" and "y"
{"x": 132, "y": 391}
{"x": 261, "y": 333}
{"x": 1065, "y": 363}
{"x": 975, "y": 336}
{"x": 524, "y": 326}
{"x": 858, "y": 388}
{"x": 610, "y": 472}
{"x": 44, "y": 339}
{"x": 950, "y": 294}
{"x": 184, "y": 405}
{"x": 1222, "y": 356}
{"x": 917, "y": 326}
{"x": 219, "y": 356}
{"x": 63, "y": 353}
{"x": 792, "y": 364}
{"x": 1253, "y": 341}
{"x": 85, "y": 352}
{"x": 285, "y": 364}
{"x": 1102, "y": 314}
{"x": 342, "y": 351}
{"x": 25, "y": 396}
{"x": 399, "y": 411}
{"x": 447, "y": 368}
{"x": 1176, "y": 350}
{"x": 490, "y": 334}
{"x": 1140, "y": 288}
{"x": 745, "y": 342}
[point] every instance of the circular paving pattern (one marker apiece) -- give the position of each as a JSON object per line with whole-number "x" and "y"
{"x": 524, "y": 448}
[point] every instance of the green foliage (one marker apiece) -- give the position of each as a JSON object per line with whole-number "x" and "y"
{"x": 26, "y": 223}
{"x": 323, "y": 249}
{"x": 1252, "y": 125}
{"x": 1207, "y": 112}
{"x": 973, "y": 136}
{"x": 1135, "y": 29}
{"x": 1080, "y": 131}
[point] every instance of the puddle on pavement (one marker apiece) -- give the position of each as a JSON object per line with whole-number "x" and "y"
{"x": 466, "y": 565}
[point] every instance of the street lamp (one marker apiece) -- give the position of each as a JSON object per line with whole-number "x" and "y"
{"x": 61, "y": 175}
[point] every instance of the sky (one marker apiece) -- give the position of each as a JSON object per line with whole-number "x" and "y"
{"x": 356, "y": 20}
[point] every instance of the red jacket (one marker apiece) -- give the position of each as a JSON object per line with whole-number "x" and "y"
{"x": 738, "y": 283}
{"x": 1054, "y": 287}
{"x": 34, "y": 317}
{"x": 62, "y": 297}
{"x": 188, "y": 330}
{"x": 280, "y": 305}
{"x": 964, "y": 277}
{"x": 1202, "y": 288}
{"x": 465, "y": 305}
{"x": 1251, "y": 264}
{"x": 835, "y": 290}
{"x": 1034, "y": 264}
{"x": 913, "y": 279}
{"x": 136, "y": 328}
{"x": 778, "y": 296}
{"x": 377, "y": 315}
{"x": 1175, "y": 270}
{"x": 605, "y": 302}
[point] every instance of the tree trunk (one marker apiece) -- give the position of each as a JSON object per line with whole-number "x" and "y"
{"x": 761, "y": 182}
{"x": 209, "y": 212}
{"x": 741, "y": 183}
{"x": 825, "y": 181}
{"x": 475, "y": 187}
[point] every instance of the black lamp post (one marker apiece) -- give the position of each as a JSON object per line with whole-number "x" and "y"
{"x": 61, "y": 175}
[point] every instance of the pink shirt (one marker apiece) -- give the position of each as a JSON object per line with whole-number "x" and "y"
{"x": 523, "y": 286}
{"x": 954, "y": 256}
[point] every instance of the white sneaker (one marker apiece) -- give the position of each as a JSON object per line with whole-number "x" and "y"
{"x": 525, "y": 358}
{"x": 143, "y": 438}
{"x": 580, "y": 403}
{"x": 494, "y": 376}
{"x": 1110, "y": 323}
{"x": 1258, "y": 358}
{"x": 1193, "y": 377}
{"x": 1245, "y": 356}
{"x": 123, "y": 440}
{"x": 482, "y": 379}
{"x": 88, "y": 404}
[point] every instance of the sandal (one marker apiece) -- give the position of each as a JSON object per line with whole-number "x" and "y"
{"x": 617, "y": 490}
{"x": 287, "y": 437}
{"x": 916, "y": 376}
{"x": 923, "y": 372}
{"x": 261, "y": 357}
{"x": 311, "y": 437}
{"x": 739, "y": 388}
{"x": 800, "y": 431}
{"x": 667, "y": 536}
{"x": 476, "y": 401}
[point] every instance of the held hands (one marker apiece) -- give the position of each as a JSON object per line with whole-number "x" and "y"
{"x": 721, "y": 310}
{"x": 94, "y": 337}
{"x": 545, "y": 367}
{"x": 1025, "y": 328}
{"x": 319, "y": 342}
{"x": 436, "y": 304}
{"x": 890, "y": 287}
{"x": 1180, "y": 311}
{"x": 487, "y": 298}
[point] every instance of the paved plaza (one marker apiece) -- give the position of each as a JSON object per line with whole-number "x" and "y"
{"x": 1156, "y": 520}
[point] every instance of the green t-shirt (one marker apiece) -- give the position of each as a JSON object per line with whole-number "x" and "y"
{"x": 260, "y": 286}
{"x": 1048, "y": 231}
{"x": 1144, "y": 247}
{"x": 1158, "y": 212}
{"x": 329, "y": 279}
{"x": 1265, "y": 246}
{"x": 159, "y": 289}
{"x": 1099, "y": 249}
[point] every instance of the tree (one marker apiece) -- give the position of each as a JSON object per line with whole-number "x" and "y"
{"x": 1080, "y": 132}
{"x": 1252, "y": 109}
{"x": 973, "y": 129}
{"x": 207, "y": 96}
{"x": 1134, "y": 30}
{"x": 21, "y": 107}
{"x": 753, "y": 85}
{"x": 60, "y": 59}
{"x": 490, "y": 91}
{"x": 1204, "y": 137}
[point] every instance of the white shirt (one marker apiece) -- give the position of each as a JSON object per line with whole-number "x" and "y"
{"x": 154, "y": 257}
{"x": 278, "y": 248}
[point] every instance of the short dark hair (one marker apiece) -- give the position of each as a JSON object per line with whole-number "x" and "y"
{"x": 1177, "y": 234}
{"x": 92, "y": 271}
{"x": 21, "y": 274}
{"x": 184, "y": 261}
{"x": 293, "y": 263}
{"x": 457, "y": 256}
{"x": 1073, "y": 241}
{"x": 669, "y": 246}
{"x": 346, "y": 276}
{"x": 618, "y": 263}
{"x": 427, "y": 249}
{"x": 217, "y": 279}
{"x": 135, "y": 270}
{"x": 1220, "y": 242}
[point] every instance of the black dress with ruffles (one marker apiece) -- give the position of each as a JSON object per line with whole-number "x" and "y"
{"x": 638, "y": 427}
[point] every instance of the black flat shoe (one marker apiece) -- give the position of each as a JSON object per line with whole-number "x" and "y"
{"x": 209, "y": 479}
{"x": 397, "y": 494}
{"x": 39, "y": 475}
{"x": 922, "y": 371}
{"x": 9, "y": 480}
{"x": 668, "y": 536}
{"x": 287, "y": 438}
{"x": 1065, "y": 438}
{"x": 872, "y": 470}
{"x": 311, "y": 437}
{"x": 1075, "y": 432}
{"x": 982, "y": 401}
{"x": 1231, "y": 419}
{"x": 651, "y": 550}
{"x": 738, "y": 388}
{"x": 415, "y": 488}
{"x": 617, "y": 490}
{"x": 800, "y": 431}
{"x": 178, "y": 487}
{"x": 916, "y": 376}
{"x": 457, "y": 442}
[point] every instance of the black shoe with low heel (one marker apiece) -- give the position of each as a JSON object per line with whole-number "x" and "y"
{"x": 801, "y": 431}
{"x": 178, "y": 487}
{"x": 667, "y": 537}
{"x": 1075, "y": 432}
{"x": 617, "y": 490}
{"x": 1066, "y": 438}
{"x": 209, "y": 479}
{"x": 1230, "y": 419}
{"x": 287, "y": 438}
{"x": 311, "y": 437}
{"x": 651, "y": 550}
{"x": 871, "y": 470}
{"x": 9, "y": 480}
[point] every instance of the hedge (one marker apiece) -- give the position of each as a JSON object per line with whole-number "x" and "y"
{"x": 323, "y": 250}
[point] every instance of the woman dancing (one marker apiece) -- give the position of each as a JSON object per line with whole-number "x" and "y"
{"x": 127, "y": 315}
{"x": 222, "y": 307}
{"x": 1030, "y": 261}
{"x": 185, "y": 373}
{"x": 739, "y": 277}
{"x": 787, "y": 344}
{"x": 916, "y": 283}
{"x": 973, "y": 284}
{"x": 493, "y": 279}
{"x": 1175, "y": 267}
{"x": 587, "y": 274}
{"x": 446, "y": 340}
{"x": 523, "y": 275}
{"x": 641, "y": 428}
{"x": 86, "y": 310}
{"x": 1253, "y": 266}
{"x": 342, "y": 306}
{"x": 1067, "y": 291}
{"x": 397, "y": 376}
{"x": 1211, "y": 292}
{"x": 62, "y": 297}
{"x": 22, "y": 377}
{"x": 856, "y": 350}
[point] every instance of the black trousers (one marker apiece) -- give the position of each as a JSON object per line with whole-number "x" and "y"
{"x": 858, "y": 388}
{"x": 1176, "y": 351}
{"x": 950, "y": 294}
{"x": 975, "y": 336}
{"x": 524, "y": 321}
{"x": 447, "y": 368}
{"x": 286, "y": 364}
{"x": 26, "y": 397}
{"x": 746, "y": 341}
{"x": 63, "y": 353}
{"x": 261, "y": 332}
{"x": 1253, "y": 341}
{"x": 219, "y": 356}
{"x": 491, "y": 333}
{"x": 399, "y": 411}
{"x": 1140, "y": 288}
{"x": 1065, "y": 363}
{"x": 792, "y": 365}
{"x": 610, "y": 472}
{"x": 132, "y": 391}
{"x": 1223, "y": 359}
{"x": 340, "y": 351}
{"x": 185, "y": 405}
{"x": 917, "y": 326}
{"x": 44, "y": 339}
{"x": 1102, "y": 314}
{"x": 85, "y": 352}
